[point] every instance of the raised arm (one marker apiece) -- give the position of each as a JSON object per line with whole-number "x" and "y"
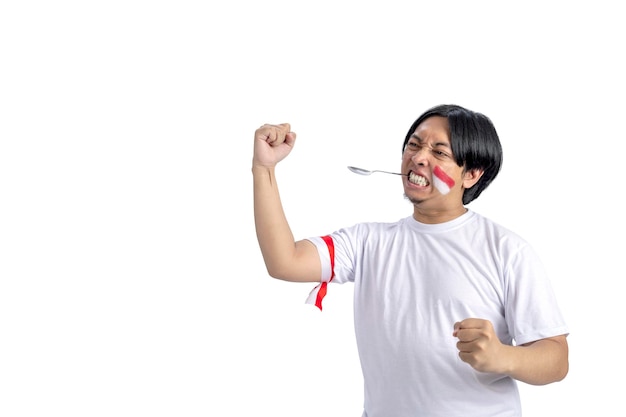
{"x": 284, "y": 258}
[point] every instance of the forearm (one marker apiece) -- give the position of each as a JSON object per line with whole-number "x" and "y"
{"x": 278, "y": 247}
{"x": 273, "y": 232}
{"x": 539, "y": 363}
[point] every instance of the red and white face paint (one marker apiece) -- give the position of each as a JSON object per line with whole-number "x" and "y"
{"x": 442, "y": 181}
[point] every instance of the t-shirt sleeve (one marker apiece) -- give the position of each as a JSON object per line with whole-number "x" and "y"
{"x": 336, "y": 252}
{"x": 531, "y": 311}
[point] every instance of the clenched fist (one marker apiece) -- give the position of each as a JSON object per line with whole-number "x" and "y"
{"x": 479, "y": 345}
{"x": 272, "y": 143}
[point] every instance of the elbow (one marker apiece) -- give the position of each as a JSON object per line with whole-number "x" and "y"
{"x": 277, "y": 272}
{"x": 558, "y": 376}
{"x": 273, "y": 272}
{"x": 553, "y": 363}
{"x": 292, "y": 272}
{"x": 275, "y": 268}
{"x": 563, "y": 371}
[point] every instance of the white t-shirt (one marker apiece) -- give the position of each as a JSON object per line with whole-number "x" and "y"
{"x": 412, "y": 282}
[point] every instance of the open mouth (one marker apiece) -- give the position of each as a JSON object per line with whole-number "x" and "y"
{"x": 418, "y": 179}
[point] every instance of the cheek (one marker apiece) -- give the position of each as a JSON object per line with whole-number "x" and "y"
{"x": 439, "y": 173}
{"x": 442, "y": 181}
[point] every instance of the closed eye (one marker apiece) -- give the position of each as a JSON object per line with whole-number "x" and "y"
{"x": 416, "y": 147}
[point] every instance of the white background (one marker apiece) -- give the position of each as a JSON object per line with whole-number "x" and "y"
{"x": 131, "y": 283}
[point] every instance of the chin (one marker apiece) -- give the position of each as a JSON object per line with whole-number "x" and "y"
{"x": 414, "y": 201}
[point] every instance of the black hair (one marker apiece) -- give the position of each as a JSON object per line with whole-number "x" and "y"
{"x": 474, "y": 141}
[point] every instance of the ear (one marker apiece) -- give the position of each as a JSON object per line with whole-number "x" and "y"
{"x": 471, "y": 177}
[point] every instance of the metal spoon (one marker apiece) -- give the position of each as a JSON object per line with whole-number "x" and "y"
{"x": 362, "y": 171}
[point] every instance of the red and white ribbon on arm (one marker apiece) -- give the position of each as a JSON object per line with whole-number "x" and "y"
{"x": 326, "y": 249}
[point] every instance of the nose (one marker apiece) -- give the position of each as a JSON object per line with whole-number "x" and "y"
{"x": 420, "y": 157}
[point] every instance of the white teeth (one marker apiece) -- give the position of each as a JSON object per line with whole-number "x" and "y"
{"x": 418, "y": 179}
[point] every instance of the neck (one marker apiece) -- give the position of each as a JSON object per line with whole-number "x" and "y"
{"x": 431, "y": 216}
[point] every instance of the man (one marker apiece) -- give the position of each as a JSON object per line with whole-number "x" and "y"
{"x": 450, "y": 308}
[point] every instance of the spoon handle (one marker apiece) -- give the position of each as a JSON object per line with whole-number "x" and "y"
{"x": 363, "y": 171}
{"x": 387, "y": 172}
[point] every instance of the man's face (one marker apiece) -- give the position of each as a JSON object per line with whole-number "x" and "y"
{"x": 428, "y": 160}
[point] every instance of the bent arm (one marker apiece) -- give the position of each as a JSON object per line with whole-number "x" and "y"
{"x": 537, "y": 363}
{"x": 284, "y": 258}
{"x": 541, "y": 362}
